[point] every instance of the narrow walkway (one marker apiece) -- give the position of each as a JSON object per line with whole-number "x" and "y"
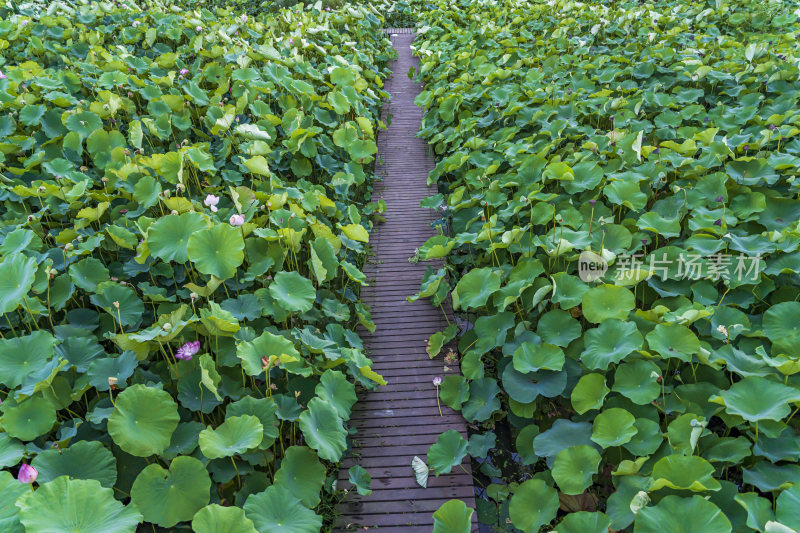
{"x": 401, "y": 420}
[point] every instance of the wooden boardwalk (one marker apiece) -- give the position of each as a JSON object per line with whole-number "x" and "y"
{"x": 401, "y": 419}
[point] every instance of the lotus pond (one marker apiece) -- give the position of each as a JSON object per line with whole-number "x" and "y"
{"x": 184, "y": 219}
{"x": 618, "y": 190}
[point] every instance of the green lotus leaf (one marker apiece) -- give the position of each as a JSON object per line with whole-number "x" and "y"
{"x": 323, "y": 429}
{"x": 525, "y": 388}
{"x": 562, "y": 434}
{"x": 302, "y": 475}
{"x": 787, "y": 507}
{"x": 360, "y": 479}
{"x": 81, "y": 460}
{"x": 323, "y": 260}
{"x": 453, "y": 517}
{"x": 609, "y": 343}
{"x": 681, "y": 515}
{"x": 613, "y": 427}
{"x": 647, "y": 440}
{"x": 524, "y": 444}
{"x": 21, "y": 356}
{"x": 166, "y": 497}
{"x": 10, "y": 491}
{"x": 574, "y": 467}
{"x": 143, "y": 420}
{"x": 475, "y": 287}
{"x": 482, "y": 401}
{"x": 168, "y": 237}
{"x": 606, "y": 302}
{"x": 76, "y": 505}
{"x": 16, "y": 279}
{"x": 11, "y": 451}
{"x": 217, "y": 250}
{"x": 88, "y": 273}
{"x": 218, "y": 519}
{"x": 234, "y": 436}
{"x": 266, "y": 345}
{"x": 292, "y": 292}
{"x": 120, "y": 367}
{"x": 684, "y": 472}
{"x": 673, "y": 341}
{"x": 480, "y": 444}
{"x": 29, "y": 419}
{"x": 336, "y": 390}
{"x": 119, "y": 301}
{"x": 448, "y": 451}
{"x": 454, "y": 391}
{"x": 276, "y": 510}
{"x": 529, "y": 357}
{"x": 584, "y": 522}
{"x": 758, "y": 398}
{"x": 533, "y": 505}
{"x": 780, "y": 326}
{"x": 558, "y": 327}
{"x": 83, "y": 123}
{"x": 638, "y": 381}
{"x": 262, "y": 408}
{"x": 589, "y": 393}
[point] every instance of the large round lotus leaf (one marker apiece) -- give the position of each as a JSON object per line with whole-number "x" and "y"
{"x": 562, "y": 434}
{"x": 11, "y": 451}
{"x": 584, "y": 522}
{"x": 453, "y": 517}
{"x": 607, "y": 301}
{"x": 276, "y": 510}
{"x": 218, "y": 519}
{"x": 218, "y": 250}
{"x": 262, "y": 408}
{"x": 323, "y": 429}
{"x": 558, "y": 327}
{"x": 574, "y": 467}
{"x": 265, "y": 345}
{"x": 110, "y": 294}
{"x": 168, "y": 237}
{"x": 647, "y": 440}
{"x": 454, "y": 391}
{"x": 475, "y": 287}
{"x": 482, "y": 400}
{"x": 673, "y": 341}
{"x": 684, "y": 472}
{"x": 76, "y": 505}
{"x": 143, "y": 420}
{"x": 84, "y": 123}
{"x": 525, "y": 444}
{"x": 17, "y": 273}
{"x": 234, "y": 436}
{"x": 88, "y": 273}
{"x": 30, "y": 419}
{"x": 609, "y": 343}
{"x": 674, "y": 514}
{"x": 757, "y": 398}
{"x": 613, "y": 427}
{"x": 638, "y": 381}
{"x": 166, "y": 497}
{"x": 10, "y": 491}
{"x": 20, "y": 356}
{"x": 448, "y": 451}
{"x": 589, "y": 393}
{"x": 781, "y": 326}
{"x": 82, "y": 460}
{"x": 335, "y": 389}
{"x": 530, "y": 357}
{"x": 533, "y": 505}
{"x": 302, "y": 474}
{"x": 525, "y": 388}
{"x": 293, "y": 292}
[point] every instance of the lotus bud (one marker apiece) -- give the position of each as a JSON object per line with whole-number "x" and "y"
{"x": 69, "y": 247}
{"x": 104, "y": 180}
{"x": 84, "y": 168}
{"x": 236, "y": 220}
{"x": 173, "y": 212}
{"x": 437, "y": 381}
{"x": 27, "y": 474}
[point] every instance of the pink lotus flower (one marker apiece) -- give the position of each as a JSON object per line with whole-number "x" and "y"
{"x": 437, "y": 381}
{"x": 291, "y": 41}
{"x": 211, "y": 201}
{"x": 236, "y": 220}
{"x": 199, "y": 28}
{"x": 135, "y": 23}
{"x": 25, "y": 22}
{"x": 186, "y": 351}
{"x": 184, "y": 71}
{"x": 27, "y": 474}
{"x": 243, "y": 18}
{"x": 2, "y": 76}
